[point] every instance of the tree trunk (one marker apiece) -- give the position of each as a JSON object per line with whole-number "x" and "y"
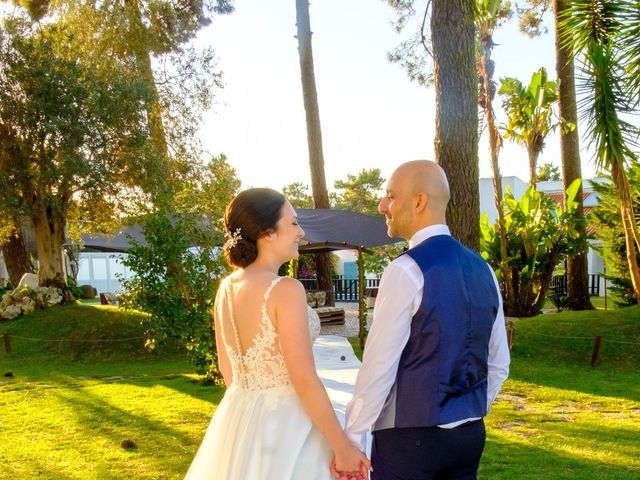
{"x": 456, "y": 137}
{"x": 49, "y": 229}
{"x": 621, "y": 183}
{"x": 533, "y": 160}
{"x": 577, "y": 268}
{"x": 314, "y": 137}
{"x": 16, "y": 257}
{"x": 486, "y": 95}
{"x": 158, "y": 137}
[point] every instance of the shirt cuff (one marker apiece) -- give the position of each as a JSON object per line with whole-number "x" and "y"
{"x": 357, "y": 440}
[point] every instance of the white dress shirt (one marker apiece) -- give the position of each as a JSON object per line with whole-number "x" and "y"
{"x": 399, "y": 296}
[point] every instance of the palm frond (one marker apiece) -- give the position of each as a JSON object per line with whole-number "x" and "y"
{"x": 601, "y": 105}
{"x": 630, "y": 58}
{"x": 590, "y": 20}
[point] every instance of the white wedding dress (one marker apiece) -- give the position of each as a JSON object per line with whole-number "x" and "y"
{"x": 260, "y": 430}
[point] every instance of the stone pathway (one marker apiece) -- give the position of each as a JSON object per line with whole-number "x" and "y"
{"x": 350, "y": 327}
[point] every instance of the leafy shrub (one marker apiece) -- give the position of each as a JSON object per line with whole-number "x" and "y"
{"x": 540, "y": 235}
{"x": 561, "y": 302}
{"x": 606, "y": 218}
{"x": 5, "y": 289}
{"x": 177, "y": 272}
{"x": 76, "y": 291}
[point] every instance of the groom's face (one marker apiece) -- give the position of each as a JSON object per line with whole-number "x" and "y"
{"x": 396, "y": 206}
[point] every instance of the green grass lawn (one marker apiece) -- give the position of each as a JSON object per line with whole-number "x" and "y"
{"x": 599, "y": 303}
{"x": 65, "y": 414}
{"x": 559, "y": 418}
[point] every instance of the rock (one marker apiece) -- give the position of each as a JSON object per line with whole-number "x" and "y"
{"x": 28, "y": 280}
{"x": 18, "y": 295}
{"x": 53, "y": 297}
{"x": 27, "y": 298}
{"x": 28, "y": 308}
{"x": 128, "y": 444}
{"x": 10, "y": 312}
{"x": 88, "y": 292}
{"x": 28, "y": 305}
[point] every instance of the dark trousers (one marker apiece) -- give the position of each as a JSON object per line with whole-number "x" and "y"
{"x": 428, "y": 453}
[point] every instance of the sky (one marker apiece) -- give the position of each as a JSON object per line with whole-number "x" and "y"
{"x": 371, "y": 115}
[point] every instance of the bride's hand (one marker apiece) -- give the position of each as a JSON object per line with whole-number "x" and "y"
{"x": 350, "y": 463}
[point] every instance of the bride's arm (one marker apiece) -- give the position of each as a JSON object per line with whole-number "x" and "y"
{"x": 223, "y": 360}
{"x": 293, "y": 330}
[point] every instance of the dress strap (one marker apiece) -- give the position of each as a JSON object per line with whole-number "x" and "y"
{"x": 274, "y": 282}
{"x": 265, "y": 315}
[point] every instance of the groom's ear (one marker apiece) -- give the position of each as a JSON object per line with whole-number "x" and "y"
{"x": 421, "y": 201}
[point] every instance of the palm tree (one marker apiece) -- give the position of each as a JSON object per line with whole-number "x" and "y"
{"x": 489, "y": 13}
{"x": 530, "y": 114}
{"x": 602, "y": 32}
{"x": 531, "y": 23}
{"x": 577, "y": 266}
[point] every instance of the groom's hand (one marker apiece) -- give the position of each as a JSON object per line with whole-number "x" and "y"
{"x": 362, "y": 474}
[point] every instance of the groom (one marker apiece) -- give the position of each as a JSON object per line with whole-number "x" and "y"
{"x": 437, "y": 354}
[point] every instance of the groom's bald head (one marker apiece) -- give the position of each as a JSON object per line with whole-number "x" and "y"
{"x": 426, "y": 176}
{"x": 417, "y": 196}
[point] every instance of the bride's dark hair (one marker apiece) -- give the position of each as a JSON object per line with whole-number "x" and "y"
{"x": 250, "y": 215}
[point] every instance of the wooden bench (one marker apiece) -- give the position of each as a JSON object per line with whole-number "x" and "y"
{"x": 107, "y": 298}
{"x": 330, "y": 315}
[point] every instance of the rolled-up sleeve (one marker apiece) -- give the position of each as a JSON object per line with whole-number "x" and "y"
{"x": 499, "y": 357}
{"x": 394, "y": 309}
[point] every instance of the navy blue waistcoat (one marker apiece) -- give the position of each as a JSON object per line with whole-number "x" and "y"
{"x": 442, "y": 375}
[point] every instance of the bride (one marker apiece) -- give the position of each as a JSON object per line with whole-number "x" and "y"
{"x": 275, "y": 421}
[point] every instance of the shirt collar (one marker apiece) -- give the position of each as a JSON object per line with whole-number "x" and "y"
{"x": 427, "y": 232}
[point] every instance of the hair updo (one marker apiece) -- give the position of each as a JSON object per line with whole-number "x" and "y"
{"x": 251, "y": 214}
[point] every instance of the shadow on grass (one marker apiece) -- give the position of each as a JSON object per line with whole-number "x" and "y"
{"x": 159, "y": 446}
{"x": 111, "y": 422}
{"x": 506, "y": 459}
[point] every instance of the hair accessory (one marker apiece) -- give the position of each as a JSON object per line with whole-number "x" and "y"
{"x": 232, "y": 238}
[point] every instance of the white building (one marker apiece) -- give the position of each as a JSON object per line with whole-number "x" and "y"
{"x": 554, "y": 190}
{"x": 347, "y": 265}
{"x": 102, "y": 270}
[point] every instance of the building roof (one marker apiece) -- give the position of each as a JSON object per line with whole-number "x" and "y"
{"x": 558, "y": 199}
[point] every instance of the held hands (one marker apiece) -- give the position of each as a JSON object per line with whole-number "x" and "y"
{"x": 350, "y": 464}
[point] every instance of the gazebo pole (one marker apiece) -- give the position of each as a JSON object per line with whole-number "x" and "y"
{"x": 362, "y": 313}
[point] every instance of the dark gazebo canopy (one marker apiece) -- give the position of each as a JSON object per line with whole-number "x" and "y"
{"x": 325, "y": 230}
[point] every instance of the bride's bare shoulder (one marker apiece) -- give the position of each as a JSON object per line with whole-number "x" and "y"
{"x": 288, "y": 290}
{"x": 288, "y": 285}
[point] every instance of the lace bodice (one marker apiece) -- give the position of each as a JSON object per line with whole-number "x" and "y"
{"x": 262, "y": 365}
{"x": 314, "y": 324}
